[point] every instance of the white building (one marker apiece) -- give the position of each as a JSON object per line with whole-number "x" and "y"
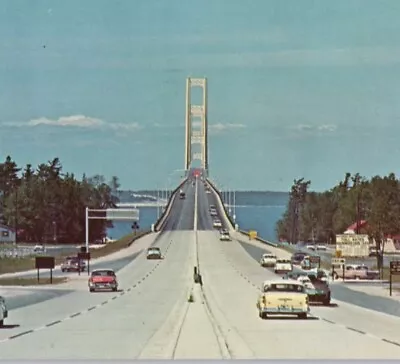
{"x": 7, "y": 234}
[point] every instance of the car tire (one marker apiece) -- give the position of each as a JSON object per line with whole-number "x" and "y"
{"x": 115, "y": 289}
{"x": 261, "y": 315}
{"x": 1, "y": 323}
{"x": 62, "y": 270}
{"x": 302, "y": 316}
{"x": 91, "y": 289}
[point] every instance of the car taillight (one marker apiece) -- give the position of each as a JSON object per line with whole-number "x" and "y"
{"x": 264, "y": 301}
{"x": 307, "y": 300}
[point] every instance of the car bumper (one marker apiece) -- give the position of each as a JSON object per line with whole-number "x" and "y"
{"x": 318, "y": 297}
{"x": 267, "y": 264}
{"x": 280, "y": 311}
{"x": 104, "y": 286}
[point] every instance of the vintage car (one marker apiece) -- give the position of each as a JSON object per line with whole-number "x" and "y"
{"x": 73, "y": 264}
{"x": 103, "y": 279}
{"x": 298, "y": 257}
{"x": 354, "y": 271}
{"x": 283, "y": 266}
{"x": 268, "y": 260}
{"x": 317, "y": 289}
{"x": 3, "y": 311}
{"x": 217, "y": 223}
{"x": 284, "y": 297}
{"x": 154, "y": 253}
{"x": 224, "y": 235}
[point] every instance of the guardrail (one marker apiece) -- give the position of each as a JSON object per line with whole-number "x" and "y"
{"x": 161, "y": 221}
{"x": 221, "y": 202}
{"x": 219, "y": 196}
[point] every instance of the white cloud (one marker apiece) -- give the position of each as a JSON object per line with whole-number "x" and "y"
{"x": 226, "y": 126}
{"x": 76, "y": 121}
{"x": 321, "y": 128}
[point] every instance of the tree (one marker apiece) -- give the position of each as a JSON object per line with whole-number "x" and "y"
{"x": 325, "y": 214}
{"x": 288, "y": 228}
{"x": 47, "y": 205}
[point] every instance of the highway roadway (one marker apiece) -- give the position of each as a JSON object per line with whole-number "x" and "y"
{"x": 151, "y": 316}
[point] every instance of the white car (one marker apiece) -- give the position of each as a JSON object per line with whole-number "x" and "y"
{"x": 39, "y": 249}
{"x": 310, "y": 247}
{"x": 321, "y": 247}
{"x": 268, "y": 260}
{"x": 217, "y": 223}
{"x": 3, "y": 311}
{"x": 213, "y": 212}
{"x": 224, "y": 236}
{"x": 283, "y": 266}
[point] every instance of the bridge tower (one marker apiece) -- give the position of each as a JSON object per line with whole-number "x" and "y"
{"x": 194, "y": 134}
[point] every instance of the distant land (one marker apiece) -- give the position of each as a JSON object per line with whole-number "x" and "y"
{"x": 248, "y": 198}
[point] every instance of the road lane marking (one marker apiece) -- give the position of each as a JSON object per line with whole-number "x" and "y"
{"x": 85, "y": 311}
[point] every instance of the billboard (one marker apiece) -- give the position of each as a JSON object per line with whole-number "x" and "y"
{"x": 122, "y": 214}
{"x": 353, "y": 245}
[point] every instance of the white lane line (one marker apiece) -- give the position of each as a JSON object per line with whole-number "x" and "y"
{"x": 195, "y": 208}
{"x": 86, "y": 311}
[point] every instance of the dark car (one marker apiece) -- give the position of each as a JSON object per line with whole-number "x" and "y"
{"x": 298, "y": 257}
{"x": 317, "y": 288}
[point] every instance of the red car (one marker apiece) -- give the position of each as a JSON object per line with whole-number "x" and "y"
{"x": 103, "y": 279}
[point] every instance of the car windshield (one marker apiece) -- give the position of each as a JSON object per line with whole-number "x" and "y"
{"x": 283, "y": 288}
{"x": 103, "y": 273}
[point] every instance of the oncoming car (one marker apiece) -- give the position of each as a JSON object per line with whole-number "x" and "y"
{"x": 154, "y": 253}
{"x": 224, "y": 235}
{"x": 217, "y": 223}
{"x": 283, "y": 266}
{"x": 287, "y": 297}
{"x": 268, "y": 260}
{"x": 103, "y": 279}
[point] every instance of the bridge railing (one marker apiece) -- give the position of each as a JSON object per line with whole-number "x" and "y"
{"x": 229, "y": 218}
{"x": 161, "y": 221}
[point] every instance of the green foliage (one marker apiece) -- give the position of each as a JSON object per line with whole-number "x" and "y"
{"x": 48, "y": 205}
{"x": 324, "y": 214}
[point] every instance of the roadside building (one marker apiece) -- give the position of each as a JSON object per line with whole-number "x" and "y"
{"x": 7, "y": 234}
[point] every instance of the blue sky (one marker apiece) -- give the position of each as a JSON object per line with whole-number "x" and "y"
{"x": 296, "y": 88}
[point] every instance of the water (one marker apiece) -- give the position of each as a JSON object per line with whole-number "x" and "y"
{"x": 254, "y": 211}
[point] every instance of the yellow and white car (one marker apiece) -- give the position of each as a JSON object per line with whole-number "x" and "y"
{"x": 268, "y": 260}
{"x": 283, "y": 297}
{"x": 283, "y": 266}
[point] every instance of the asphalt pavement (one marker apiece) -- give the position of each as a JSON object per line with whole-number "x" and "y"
{"x": 341, "y": 292}
{"x": 181, "y": 218}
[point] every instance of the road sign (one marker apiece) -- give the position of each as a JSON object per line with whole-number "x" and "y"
{"x": 337, "y": 261}
{"x": 44, "y": 263}
{"x": 395, "y": 267}
{"x": 84, "y": 256}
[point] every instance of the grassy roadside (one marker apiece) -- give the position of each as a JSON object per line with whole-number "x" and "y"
{"x": 15, "y": 281}
{"x": 12, "y": 265}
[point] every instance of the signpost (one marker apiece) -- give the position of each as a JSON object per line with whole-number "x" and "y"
{"x": 338, "y": 262}
{"x": 135, "y": 227}
{"x": 394, "y": 270}
{"x": 45, "y": 263}
{"x": 315, "y": 259}
{"x": 121, "y": 214}
{"x": 83, "y": 255}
